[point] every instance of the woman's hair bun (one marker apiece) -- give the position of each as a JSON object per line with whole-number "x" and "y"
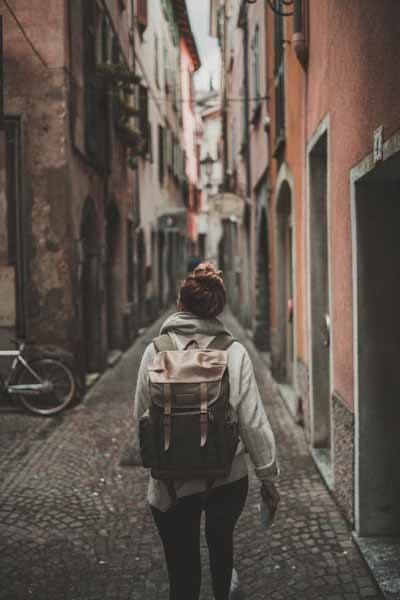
{"x": 203, "y": 292}
{"x": 207, "y": 272}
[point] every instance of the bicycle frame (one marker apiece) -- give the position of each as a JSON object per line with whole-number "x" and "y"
{"x": 32, "y": 389}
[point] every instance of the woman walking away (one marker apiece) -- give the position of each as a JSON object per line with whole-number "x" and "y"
{"x": 199, "y": 409}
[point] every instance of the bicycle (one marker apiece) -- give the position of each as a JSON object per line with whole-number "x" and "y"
{"x": 44, "y": 385}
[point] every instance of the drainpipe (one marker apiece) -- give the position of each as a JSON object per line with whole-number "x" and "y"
{"x": 227, "y": 183}
{"x": 246, "y": 92}
{"x": 299, "y": 34}
{"x": 245, "y": 25}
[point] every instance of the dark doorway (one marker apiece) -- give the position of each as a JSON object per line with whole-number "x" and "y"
{"x": 141, "y": 278}
{"x": 262, "y": 323}
{"x": 285, "y": 334}
{"x": 161, "y": 269}
{"x": 13, "y": 233}
{"x": 320, "y": 302}
{"x": 377, "y": 345}
{"x": 113, "y": 282}
{"x": 91, "y": 310}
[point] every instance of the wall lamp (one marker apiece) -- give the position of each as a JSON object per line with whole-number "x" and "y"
{"x": 284, "y": 8}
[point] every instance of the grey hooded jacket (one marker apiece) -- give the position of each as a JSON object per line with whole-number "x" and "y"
{"x": 255, "y": 431}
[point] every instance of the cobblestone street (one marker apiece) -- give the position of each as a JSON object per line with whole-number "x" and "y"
{"x": 74, "y": 523}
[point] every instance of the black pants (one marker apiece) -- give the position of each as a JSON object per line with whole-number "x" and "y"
{"x": 179, "y": 529}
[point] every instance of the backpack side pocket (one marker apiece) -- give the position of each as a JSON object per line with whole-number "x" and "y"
{"x": 148, "y": 442}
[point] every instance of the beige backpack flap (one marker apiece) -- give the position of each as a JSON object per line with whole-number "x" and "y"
{"x": 187, "y": 378}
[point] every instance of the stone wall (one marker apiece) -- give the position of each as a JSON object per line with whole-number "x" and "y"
{"x": 303, "y": 390}
{"x": 343, "y": 458}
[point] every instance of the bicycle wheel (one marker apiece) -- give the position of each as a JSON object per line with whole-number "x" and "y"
{"x": 61, "y": 384}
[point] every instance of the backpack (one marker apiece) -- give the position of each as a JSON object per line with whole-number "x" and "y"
{"x": 189, "y": 431}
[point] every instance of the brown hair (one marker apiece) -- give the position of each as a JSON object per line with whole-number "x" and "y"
{"x": 203, "y": 292}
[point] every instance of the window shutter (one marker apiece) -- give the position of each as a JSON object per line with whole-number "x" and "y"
{"x": 161, "y": 154}
{"x": 144, "y": 118}
{"x": 168, "y": 142}
{"x": 142, "y": 14}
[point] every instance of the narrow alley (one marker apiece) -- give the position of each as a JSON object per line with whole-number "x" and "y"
{"x": 74, "y": 524}
{"x": 140, "y": 139}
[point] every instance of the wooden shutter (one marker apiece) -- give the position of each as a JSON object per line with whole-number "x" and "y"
{"x": 142, "y": 14}
{"x": 161, "y": 155}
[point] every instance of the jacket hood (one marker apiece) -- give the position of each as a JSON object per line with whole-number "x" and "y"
{"x": 185, "y": 323}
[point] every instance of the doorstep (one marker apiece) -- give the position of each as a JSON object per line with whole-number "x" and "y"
{"x": 290, "y": 398}
{"x": 382, "y": 556}
{"x": 322, "y": 459}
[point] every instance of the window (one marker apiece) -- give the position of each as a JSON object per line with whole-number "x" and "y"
{"x": 156, "y": 61}
{"x": 256, "y": 62}
{"x": 256, "y": 76}
{"x": 96, "y": 113}
{"x": 115, "y": 59}
{"x": 105, "y": 37}
{"x": 89, "y": 39}
{"x": 279, "y": 79}
{"x": 144, "y": 122}
{"x": 161, "y": 143}
{"x": 130, "y": 258}
{"x": 168, "y": 148}
{"x": 243, "y": 118}
{"x": 142, "y": 15}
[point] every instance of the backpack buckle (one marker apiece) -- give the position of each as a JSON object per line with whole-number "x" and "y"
{"x": 203, "y": 414}
{"x": 167, "y": 416}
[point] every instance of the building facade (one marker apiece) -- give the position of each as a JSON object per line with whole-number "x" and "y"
{"x": 240, "y": 28}
{"x": 325, "y": 187}
{"x": 211, "y": 174}
{"x": 93, "y": 171}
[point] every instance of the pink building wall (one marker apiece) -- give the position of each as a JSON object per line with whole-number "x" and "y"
{"x": 353, "y": 78}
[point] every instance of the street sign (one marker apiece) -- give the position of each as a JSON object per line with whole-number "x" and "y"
{"x": 228, "y": 206}
{"x": 378, "y": 144}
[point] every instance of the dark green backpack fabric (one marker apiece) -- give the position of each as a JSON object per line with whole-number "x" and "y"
{"x": 189, "y": 431}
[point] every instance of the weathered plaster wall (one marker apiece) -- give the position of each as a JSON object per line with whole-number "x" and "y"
{"x": 354, "y": 57}
{"x": 294, "y": 158}
{"x": 258, "y": 136}
{"x": 189, "y": 137}
{"x": 343, "y": 463}
{"x": 43, "y": 107}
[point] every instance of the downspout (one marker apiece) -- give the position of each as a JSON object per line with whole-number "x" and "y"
{"x": 249, "y": 194}
{"x": 299, "y": 33}
{"x": 246, "y": 101}
{"x": 227, "y": 182}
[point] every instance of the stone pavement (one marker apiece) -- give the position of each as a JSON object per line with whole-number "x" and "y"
{"x": 74, "y": 524}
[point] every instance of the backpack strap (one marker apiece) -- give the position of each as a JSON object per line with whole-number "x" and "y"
{"x": 164, "y": 343}
{"x": 222, "y": 341}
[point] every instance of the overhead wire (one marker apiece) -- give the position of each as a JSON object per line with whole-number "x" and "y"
{"x": 22, "y": 30}
{"x": 188, "y": 100}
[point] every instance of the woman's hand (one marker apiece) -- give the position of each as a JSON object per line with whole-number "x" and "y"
{"x": 271, "y": 497}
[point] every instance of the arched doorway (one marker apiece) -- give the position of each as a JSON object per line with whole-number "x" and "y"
{"x": 141, "y": 278}
{"x": 284, "y": 363}
{"x": 161, "y": 269}
{"x": 246, "y": 284}
{"x": 262, "y": 334}
{"x": 90, "y": 278}
{"x": 319, "y": 298}
{"x": 113, "y": 282}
